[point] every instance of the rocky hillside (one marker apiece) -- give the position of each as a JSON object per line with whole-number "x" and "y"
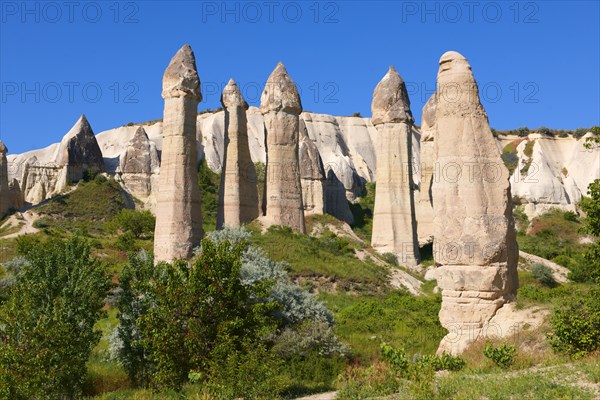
{"x": 546, "y": 171}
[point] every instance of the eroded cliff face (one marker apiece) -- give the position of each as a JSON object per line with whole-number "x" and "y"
{"x": 346, "y": 146}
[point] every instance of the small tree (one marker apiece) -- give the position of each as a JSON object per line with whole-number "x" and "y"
{"x": 139, "y": 223}
{"x": 47, "y": 322}
{"x": 188, "y": 310}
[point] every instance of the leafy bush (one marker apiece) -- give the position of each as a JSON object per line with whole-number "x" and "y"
{"x": 503, "y": 356}
{"x": 576, "y": 324}
{"x": 190, "y": 311}
{"x": 139, "y": 223}
{"x": 396, "y": 357}
{"x": 523, "y": 131}
{"x": 126, "y": 242}
{"x": 243, "y": 370}
{"x": 589, "y": 269}
{"x": 209, "y": 183}
{"x": 47, "y": 322}
{"x": 543, "y": 274}
{"x": 580, "y": 132}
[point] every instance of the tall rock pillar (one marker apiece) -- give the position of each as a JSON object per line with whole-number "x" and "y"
{"x": 474, "y": 236}
{"x": 424, "y": 200}
{"x": 178, "y": 214}
{"x": 394, "y": 220}
{"x": 5, "y": 195}
{"x": 281, "y": 107}
{"x": 238, "y": 196}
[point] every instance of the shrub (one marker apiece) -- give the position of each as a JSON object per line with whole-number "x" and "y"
{"x": 570, "y": 216}
{"x": 47, "y": 322}
{"x": 576, "y": 324}
{"x": 357, "y": 114}
{"x": 503, "y": 356}
{"x": 543, "y": 274}
{"x": 580, "y": 132}
{"x": 563, "y": 135}
{"x": 544, "y": 131}
{"x": 243, "y": 370}
{"x": 126, "y": 242}
{"x": 139, "y": 223}
{"x": 395, "y": 357}
{"x": 189, "y": 311}
{"x": 523, "y": 131}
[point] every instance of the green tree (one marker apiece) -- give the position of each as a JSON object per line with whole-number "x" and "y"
{"x": 194, "y": 308}
{"x": 589, "y": 269}
{"x": 139, "y": 223}
{"x": 47, "y": 323}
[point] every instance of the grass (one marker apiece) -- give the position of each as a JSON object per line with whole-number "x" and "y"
{"x": 554, "y": 236}
{"x": 564, "y": 381}
{"x": 528, "y": 151}
{"x": 362, "y": 211}
{"x": 395, "y": 317}
{"x": 509, "y": 155}
{"x": 84, "y": 210}
{"x": 327, "y": 256}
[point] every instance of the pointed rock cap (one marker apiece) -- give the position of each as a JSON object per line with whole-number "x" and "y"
{"x": 79, "y": 146}
{"x": 390, "y": 100}
{"x": 181, "y": 77}
{"x": 139, "y": 136}
{"x": 232, "y": 97}
{"x": 452, "y": 60}
{"x": 281, "y": 93}
{"x": 3, "y": 149}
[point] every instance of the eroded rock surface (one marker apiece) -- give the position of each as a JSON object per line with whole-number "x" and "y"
{"x": 178, "y": 214}
{"x": 394, "y": 218}
{"x": 312, "y": 174}
{"x": 474, "y": 235}
{"x": 238, "y": 197}
{"x": 281, "y": 107}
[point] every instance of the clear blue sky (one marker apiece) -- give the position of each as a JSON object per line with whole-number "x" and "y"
{"x": 537, "y": 62}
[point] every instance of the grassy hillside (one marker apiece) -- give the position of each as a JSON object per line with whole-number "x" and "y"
{"x": 354, "y": 284}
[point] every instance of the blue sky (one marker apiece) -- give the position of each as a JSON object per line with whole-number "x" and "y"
{"x": 537, "y": 62}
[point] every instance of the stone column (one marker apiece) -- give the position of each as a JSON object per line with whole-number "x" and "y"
{"x": 238, "y": 196}
{"x": 178, "y": 214}
{"x": 474, "y": 236}
{"x": 281, "y": 107}
{"x": 424, "y": 199}
{"x": 5, "y": 201}
{"x": 312, "y": 174}
{"x": 394, "y": 220}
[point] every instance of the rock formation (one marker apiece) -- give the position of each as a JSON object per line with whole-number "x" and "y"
{"x": 48, "y": 172}
{"x": 11, "y": 196}
{"x": 474, "y": 236}
{"x": 5, "y": 196}
{"x": 280, "y": 105}
{"x": 79, "y": 152}
{"x": 394, "y": 219}
{"x": 238, "y": 197}
{"x": 139, "y": 165}
{"x": 312, "y": 175}
{"x": 178, "y": 214}
{"x": 424, "y": 200}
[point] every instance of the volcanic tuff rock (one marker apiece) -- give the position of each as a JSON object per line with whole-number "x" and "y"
{"x": 312, "y": 174}
{"x": 555, "y": 176}
{"x": 238, "y": 196}
{"x": 423, "y": 199}
{"x": 280, "y": 105}
{"x": 474, "y": 235}
{"x": 139, "y": 165}
{"x": 178, "y": 215}
{"x": 394, "y": 221}
{"x": 5, "y": 203}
